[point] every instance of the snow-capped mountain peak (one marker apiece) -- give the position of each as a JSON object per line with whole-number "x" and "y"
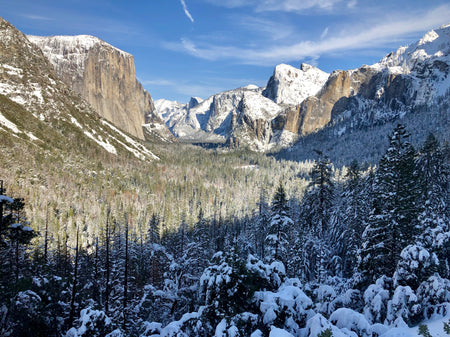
{"x": 289, "y": 85}
{"x": 300, "y": 101}
{"x": 434, "y": 45}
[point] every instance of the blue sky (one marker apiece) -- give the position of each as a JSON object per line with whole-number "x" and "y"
{"x": 185, "y": 48}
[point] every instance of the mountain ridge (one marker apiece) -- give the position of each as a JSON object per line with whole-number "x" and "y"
{"x": 400, "y": 83}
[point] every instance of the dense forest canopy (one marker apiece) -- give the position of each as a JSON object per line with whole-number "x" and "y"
{"x": 215, "y": 243}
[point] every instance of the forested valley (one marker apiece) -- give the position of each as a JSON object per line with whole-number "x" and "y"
{"x": 226, "y": 243}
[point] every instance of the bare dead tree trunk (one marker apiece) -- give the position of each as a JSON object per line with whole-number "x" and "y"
{"x": 46, "y": 237}
{"x": 74, "y": 284}
{"x": 125, "y": 279}
{"x": 108, "y": 267}
{"x": 1, "y": 205}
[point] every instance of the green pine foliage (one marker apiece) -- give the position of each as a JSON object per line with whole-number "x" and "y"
{"x": 326, "y": 333}
{"x": 423, "y": 330}
{"x": 447, "y": 327}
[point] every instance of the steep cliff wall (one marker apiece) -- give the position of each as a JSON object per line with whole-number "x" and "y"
{"x": 103, "y": 75}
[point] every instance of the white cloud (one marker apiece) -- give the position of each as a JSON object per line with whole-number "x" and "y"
{"x": 380, "y": 32}
{"x": 158, "y": 82}
{"x": 272, "y": 30}
{"x": 324, "y": 33}
{"x": 352, "y": 3}
{"x": 186, "y": 11}
{"x": 232, "y": 3}
{"x": 295, "y": 5}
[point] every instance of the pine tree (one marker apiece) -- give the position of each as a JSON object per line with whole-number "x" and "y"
{"x": 433, "y": 221}
{"x": 153, "y": 235}
{"x": 354, "y": 217}
{"x": 373, "y": 253}
{"x": 260, "y": 225}
{"x": 203, "y": 244}
{"x": 315, "y": 220}
{"x": 74, "y": 282}
{"x": 319, "y": 199}
{"x": 277, "y": 241}
{"x": 392, "y": 224}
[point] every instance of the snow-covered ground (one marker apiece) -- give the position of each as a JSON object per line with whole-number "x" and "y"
{"x": 435, "y": 328}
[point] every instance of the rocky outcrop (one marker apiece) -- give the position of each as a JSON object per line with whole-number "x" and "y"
{"x": 103, "y": 75}
{"x": 316, "y": 111}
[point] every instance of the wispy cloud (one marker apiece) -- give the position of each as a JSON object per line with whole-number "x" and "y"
{"x": 162, "y": 82}
{"x": 368, "y": 35}
{"x": 37, "y": 17}
{"x": 282, "y": 5}
{"x": 294, "y": 5}
{"x": 270, "y": 29}
{"x": 352, "y": 3}
{"x": 324, "y": 33}
{"x": 186, "y": 11}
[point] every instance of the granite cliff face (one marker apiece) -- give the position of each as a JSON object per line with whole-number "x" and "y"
{"x": 104, "y": 76}
{"x": 405, "y": 81}
{"x": 315, "y": 111}
{"x": 39, "y": 108}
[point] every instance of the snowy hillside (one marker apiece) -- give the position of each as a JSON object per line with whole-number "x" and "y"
{"x": 427, "y": 60}
{"x": 434, "y": 45}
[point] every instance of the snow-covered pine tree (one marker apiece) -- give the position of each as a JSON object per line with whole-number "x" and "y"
{"x": 392, "y": 223}
{"x": 434, "y": 220}
{"x": 276, "y": 242}
{"x": 315, "y": 218}
{"x": 260, "y": 225}
{"x": 354, "y": 217}
{"x": 319, "y": 199}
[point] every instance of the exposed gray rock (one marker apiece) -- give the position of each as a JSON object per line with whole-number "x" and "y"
{"x": 105, "y": 77}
